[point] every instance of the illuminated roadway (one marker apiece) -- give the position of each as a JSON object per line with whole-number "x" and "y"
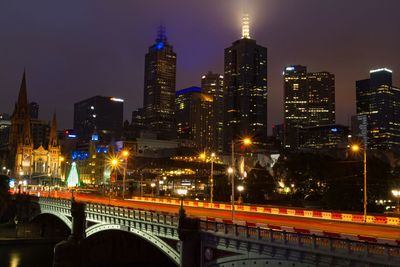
{"x": 312, "y": 224}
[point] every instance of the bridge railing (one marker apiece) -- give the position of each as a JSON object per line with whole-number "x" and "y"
{"x": 129, "y": 213}
{"x": 312, "y": 242}
{"x": 57, "y": 205}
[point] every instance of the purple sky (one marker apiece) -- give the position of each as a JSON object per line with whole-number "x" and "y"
{"x": 76, "y": 49}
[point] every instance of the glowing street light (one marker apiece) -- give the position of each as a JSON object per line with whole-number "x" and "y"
{"x": 152, "y": 188}
{"x": 356, "y": 148}
{"x": 182, "y": 193}
{"x": 246, "y": 142}
{"x": 240, "y": 188}
{"x": 125, "y": 155}
{"x": 396, "y": 194}
{"x": 212, "y": 178}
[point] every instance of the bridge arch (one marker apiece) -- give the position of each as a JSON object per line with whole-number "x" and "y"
{"x": 242, "y": 260}
{"x": 60, "y": 216}
{"x": 154, "y": 240}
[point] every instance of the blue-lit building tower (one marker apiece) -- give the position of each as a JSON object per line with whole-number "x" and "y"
{"x": 245, "y": 90}
{"x": 159, "y": 87}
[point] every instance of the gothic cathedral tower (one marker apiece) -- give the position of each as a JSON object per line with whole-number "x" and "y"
{"x": 20, "y": 141}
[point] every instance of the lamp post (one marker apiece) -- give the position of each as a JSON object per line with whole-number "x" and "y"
{"x": 152, "y": 188}
{"x": 240, "y": 188}
{"x": 181, "y": 192}
{"x": 212, "y": 178}
{"x": 114, "y": 164}
{"x": 245, "y": 141}
{"x": 125, "y": 154}
{"x": 356, "y": 148}
{"x": 396, "y": 194}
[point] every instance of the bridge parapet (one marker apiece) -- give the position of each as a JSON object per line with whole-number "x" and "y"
{"x": 244, "y": 238}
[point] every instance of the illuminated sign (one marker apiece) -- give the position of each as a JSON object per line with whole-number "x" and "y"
{"x": 116, "y": 99}
{"x": 334, "y": 130}
{"x": 289, "y": 68}
{"x": 381, "y": 69}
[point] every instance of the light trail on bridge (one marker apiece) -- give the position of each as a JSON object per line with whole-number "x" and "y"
{"x": 346, "y": 229}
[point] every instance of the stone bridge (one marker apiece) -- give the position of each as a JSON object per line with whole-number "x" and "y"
{"x": 194, "y": 242}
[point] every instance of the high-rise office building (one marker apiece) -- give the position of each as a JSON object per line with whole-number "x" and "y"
{"x": 194, "y": 117}
{"x": 379, "y": 101}
{"x": 321, "y": 98}
{"x": 213, "y": 84}
{"x": 159, "y": 87}
{"x": 309, "y": 101}
{"x": 295, "y": 103}
{"x": 245, "y": 90}
{"x": 100, "y": 114}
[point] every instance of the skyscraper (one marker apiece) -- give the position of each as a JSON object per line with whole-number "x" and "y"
{"x": 379, "y": 101}
{"x": 101, "y": 114}
{"x": 159, "y": 87}
{"x": 213, "y": 84}
{"x": 309, "y": 101}
{"x": 321, "y": 98}
{"x": 295, "y": 103}
{"x": 194, "y": 117}
{"x": 245, "y": 89}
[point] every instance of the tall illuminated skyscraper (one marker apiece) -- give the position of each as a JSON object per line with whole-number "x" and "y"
{"x": 295, "y": 103}
{"x": 213, "y": 84}
{"x": 159, "y": 87}
{"x": 309, "y": 101}
{"x": 379, "y": 101}
{"x": 245, "y": 90}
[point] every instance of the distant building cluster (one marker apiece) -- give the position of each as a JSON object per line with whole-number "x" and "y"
{"x": 225, "y": 107}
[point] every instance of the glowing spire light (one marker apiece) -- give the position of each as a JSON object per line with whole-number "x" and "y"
{"x": 246, "y": 26}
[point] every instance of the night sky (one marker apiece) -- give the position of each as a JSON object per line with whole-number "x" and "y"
{"x": 75, "y": 49}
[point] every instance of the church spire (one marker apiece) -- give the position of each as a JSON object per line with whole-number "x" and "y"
{"x": 21, "y": 107}
{"x": 245, "y": 26}
{"x": 53, "y": 139}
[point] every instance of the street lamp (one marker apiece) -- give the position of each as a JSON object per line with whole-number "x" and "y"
{"x": 396, "y": 194}
{"x": 246, "y": 142}
{"x": 152, "y": 188}
{"x": 125, "y": 154}
{"x": 212, "y": 178}
{"x": 182, "y": 193}
{"x": 240, "y": 188}
{"x": 356, "y": 148}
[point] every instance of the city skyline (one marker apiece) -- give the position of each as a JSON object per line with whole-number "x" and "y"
{"x": 110, "y": 61}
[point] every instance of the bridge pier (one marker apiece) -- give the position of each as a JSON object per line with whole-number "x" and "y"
{"x": 189, "y": 235}
{"x": 67, "y": 253}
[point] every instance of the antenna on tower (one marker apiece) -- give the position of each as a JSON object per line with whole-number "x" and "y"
{"x": 161, "y": 36}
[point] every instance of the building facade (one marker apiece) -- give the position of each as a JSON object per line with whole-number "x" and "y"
{"x": 100, "y": 114}
{"x": 379, "y": 101}
{"x": 309, "y": 101}
{"x": 213, "y": 84}
{"x": 194, "y": 117}
{"x": 245, "y": 90}
{"x": 159, "y": 87}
